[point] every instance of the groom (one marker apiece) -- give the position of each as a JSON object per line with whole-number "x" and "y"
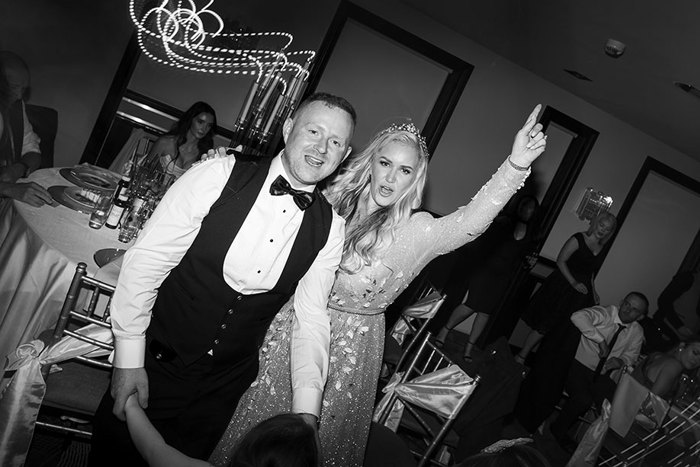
{"x": 227, "y": 246}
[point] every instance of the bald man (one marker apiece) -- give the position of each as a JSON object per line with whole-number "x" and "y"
{"x": 19, "y": 145}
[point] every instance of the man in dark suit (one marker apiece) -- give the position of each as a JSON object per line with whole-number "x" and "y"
{"x": 19, "y": 145}
{"x": 228, "y": 245}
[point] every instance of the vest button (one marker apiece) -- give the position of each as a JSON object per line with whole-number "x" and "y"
{"x": 216, "y": 341}
{"x": 223, "y": 326}
{"x": 230, "y": 311}
{"x": 239, "y": 298}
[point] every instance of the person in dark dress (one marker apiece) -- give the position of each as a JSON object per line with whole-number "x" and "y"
{"x": 549, "y": 315}
{"x": 570, "y": 287}
{"x": 507, "y": 241}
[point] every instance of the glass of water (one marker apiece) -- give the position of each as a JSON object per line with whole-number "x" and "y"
{"x": 101, "y": 212}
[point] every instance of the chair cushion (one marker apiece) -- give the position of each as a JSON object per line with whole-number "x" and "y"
{"x": 44, "y": 121}
{"x": 410, "y": 423}
{"x": 78, "y": 388}
{"x": 392, "y": 350}
{"x": 386, "y": 449}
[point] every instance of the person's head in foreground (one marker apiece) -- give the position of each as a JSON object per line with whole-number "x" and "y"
{"x": 284, "y": 440}
{"x": 507, "y": 453}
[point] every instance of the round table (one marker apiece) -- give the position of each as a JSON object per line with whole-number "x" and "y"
{"x": 39, "y": 251}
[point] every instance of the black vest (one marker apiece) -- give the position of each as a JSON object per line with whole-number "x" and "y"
{"x": 196, "y": 310}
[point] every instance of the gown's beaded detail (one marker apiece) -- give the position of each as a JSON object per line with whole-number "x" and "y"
{"x": 356, "y": 308}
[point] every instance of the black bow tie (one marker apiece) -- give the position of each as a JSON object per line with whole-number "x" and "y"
{"x": 280, "y": 186}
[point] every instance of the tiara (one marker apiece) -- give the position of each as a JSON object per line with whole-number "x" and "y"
{"x": 408, "y": 128}
{"x": 499, "y": 446}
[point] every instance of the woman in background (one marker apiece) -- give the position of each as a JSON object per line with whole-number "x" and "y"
{"x": 570, "y": 287}
{"x": 387, "y": 243}
{"x": 190, "y": 137}
{"x": 660, "y": 372}
{"x": 509, "y": 239}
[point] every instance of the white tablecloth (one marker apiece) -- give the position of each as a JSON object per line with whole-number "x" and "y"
{"x": 39, "y": 250}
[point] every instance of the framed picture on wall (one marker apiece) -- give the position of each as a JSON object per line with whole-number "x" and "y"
{"x": 388, "y": 74}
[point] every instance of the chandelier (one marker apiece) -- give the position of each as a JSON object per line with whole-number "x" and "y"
{"x": 183, "y": 35}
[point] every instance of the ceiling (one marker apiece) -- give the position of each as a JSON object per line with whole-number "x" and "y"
{"x": 548, "y": 36}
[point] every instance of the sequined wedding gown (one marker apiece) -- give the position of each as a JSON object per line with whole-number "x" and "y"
{"x": 356, "y": 307}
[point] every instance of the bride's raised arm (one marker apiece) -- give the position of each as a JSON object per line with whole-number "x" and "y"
{"x": 470, "y": 221}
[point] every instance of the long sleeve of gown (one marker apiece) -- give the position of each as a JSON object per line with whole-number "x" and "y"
{"x": 449, "y": 232}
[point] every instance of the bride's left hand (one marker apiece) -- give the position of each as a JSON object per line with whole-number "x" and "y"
{"x": 529, "y": 142}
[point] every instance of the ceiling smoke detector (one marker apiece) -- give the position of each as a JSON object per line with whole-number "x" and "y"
{"x": 689, "y": 88}
{"x": 578, "y": 75}
{"x": 614, "y": 48}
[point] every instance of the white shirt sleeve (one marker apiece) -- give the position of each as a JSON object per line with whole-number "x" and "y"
{"x": 165, "y": 239}
{"x": 587, "y": 321}
{"x": 30, "y": 140}
{"x": 633, "y": 345}
{"x": 311, "y": 332}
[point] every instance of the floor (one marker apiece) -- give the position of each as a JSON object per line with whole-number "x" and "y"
{"x": 544, "y": 441}
{"x": 49, "y": 449}
{"x": 52, "y": 450}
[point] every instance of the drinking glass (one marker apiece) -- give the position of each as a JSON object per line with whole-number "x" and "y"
{"x": 101, "y": 212}
{"x": 128, "y": 232}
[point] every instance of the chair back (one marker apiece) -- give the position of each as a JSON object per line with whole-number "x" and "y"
{"x": 659, "y": 434}
{"x": 412, "y": 324}
{"x": 44, "y": 121}
{"x": 81, "y": 308}
{"x": 433, "y": 391}
{"x": 80, "y": 342}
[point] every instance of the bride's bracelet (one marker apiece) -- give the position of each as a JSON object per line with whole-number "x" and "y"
{"x": 516, "y": 166}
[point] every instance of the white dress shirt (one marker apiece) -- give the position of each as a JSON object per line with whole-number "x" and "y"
{"x": 253, "y": 264}
{"x": 598, "y": 324}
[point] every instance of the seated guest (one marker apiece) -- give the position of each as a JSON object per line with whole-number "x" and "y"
{"x": 660, "y": 372}
{"x": 283, "y": 440}
{"x": 507, "y": 453}
{"x": 19, "y": 145}
{"x": 190, "y": 137}
{"x": 610, "y": 339}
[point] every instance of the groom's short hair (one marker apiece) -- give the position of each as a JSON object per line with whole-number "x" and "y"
{"x": 331, "y": 101}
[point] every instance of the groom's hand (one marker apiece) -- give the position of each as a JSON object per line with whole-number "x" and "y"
{"x": 312, "y": 420}
{"x": 125, "y": 382}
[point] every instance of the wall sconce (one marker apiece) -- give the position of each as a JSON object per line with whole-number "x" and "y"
{"x": 593, "y": 203}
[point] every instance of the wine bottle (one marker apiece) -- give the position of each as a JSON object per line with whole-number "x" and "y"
{"x": 122, "y": 187}
{"x": 118, "y": 207}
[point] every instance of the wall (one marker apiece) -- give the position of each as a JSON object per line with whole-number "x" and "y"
{"x": 74, "y": 47}
{"x": 495, "y": 103}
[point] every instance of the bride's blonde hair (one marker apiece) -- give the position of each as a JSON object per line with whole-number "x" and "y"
{"x": 351, "y": 189}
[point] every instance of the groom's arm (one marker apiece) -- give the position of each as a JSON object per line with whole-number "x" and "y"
{"x": 165, "y": 239}
{"x": 311, "y": 331}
